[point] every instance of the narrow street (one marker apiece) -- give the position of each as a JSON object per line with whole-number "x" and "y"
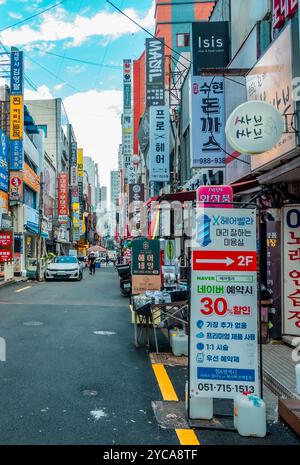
{"x": 62, "y": 383}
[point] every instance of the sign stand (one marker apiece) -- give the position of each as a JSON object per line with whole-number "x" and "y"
{"x": 222, "y": 420}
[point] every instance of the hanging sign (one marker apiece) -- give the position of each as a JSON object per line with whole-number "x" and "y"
{"x": 291, "y": 270}
{"x": 211, "y": 195}
{"x": 254, "y": 127}
{"x": 6, "y": 244}
{"x": 223, "y": 327}
{"x": 155, "y": 72}
{"x": 208, "y": 121}
{"x": 159, "y": 157}
{"x": 63, "y": 198}
{"x": 4, "y": 148}
{"x": 16, "y": 186}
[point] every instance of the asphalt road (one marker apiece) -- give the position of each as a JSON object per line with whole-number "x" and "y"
{"x": 73, "y": 375}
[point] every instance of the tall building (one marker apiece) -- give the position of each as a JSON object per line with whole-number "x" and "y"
{"x": 114, "y": 187}
{"x": 103, "y": 191}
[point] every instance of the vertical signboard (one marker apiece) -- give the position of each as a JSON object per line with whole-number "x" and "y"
{"x": 4, "y": 148}
{"x": 127, "y": 84}
{"x": 63, "y": 188}
{"x": 291, "y": 270}
{"x": 145, "y": 266}
{"x": 16, "y": 109}
{"x": 210, "y": 45}
{"x": 159, "y": 156}
{"x": 127, "y": 129}
{"x": 223, "y": 326}
{"x": 208, "y": 140}
{"x": 73, "y": 165}
{"x": 136, "y": 202}
{"x": 6, "y": 246}
{"x": 155, "y": 72}
{"x": 16, "y": 186}
{"x": 80, "y": 179}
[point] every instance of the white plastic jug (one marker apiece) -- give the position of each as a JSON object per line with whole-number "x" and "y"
{"x": 297, "y": 368}
{"x": 180, "y": 344}
{"x": 250, "y": 418}
{"x": 201, "y": 408}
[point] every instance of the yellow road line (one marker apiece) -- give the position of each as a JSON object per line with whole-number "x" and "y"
{"x": 23, "y": 289}
{"x": 187, "y": 437}
{"x": 166, "y": 387}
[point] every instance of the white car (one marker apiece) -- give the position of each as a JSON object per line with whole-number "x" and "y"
{"x": 64, "y": 267}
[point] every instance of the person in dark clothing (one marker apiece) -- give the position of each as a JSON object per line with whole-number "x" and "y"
{"x": 107, "y": 260}
{"x": 92, "y": 264}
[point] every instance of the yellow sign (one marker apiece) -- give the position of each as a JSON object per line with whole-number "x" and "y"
{"x": 80, "y": 162}
{"x": 4, "y": 198}
{"x": 16, "y": 117}
{"x": 31, "y": 178}
{"x": 76, "y": 213}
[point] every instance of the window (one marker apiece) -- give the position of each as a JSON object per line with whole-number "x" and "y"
{"x": 183, "y": 40}
{"x": 44, "y": 128}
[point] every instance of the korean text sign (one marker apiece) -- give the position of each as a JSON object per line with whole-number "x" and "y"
{"x": 208, "y": 122}
{"x": 5, "y": 246}
{"x": 145, "y": 265}
{"x": 159, "y": 157}
{"x": 291, "y": 270}
{"x": 223, "y": 333}
{"x": 63, "y": 207}
{"x": 155, "y": 72}
{"x": 4, "y": 148}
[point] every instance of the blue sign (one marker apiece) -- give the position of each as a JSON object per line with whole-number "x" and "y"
{"x": 16, "y": 73}
{"x": 4, "y": 146}
{"x": 16, "y": 155}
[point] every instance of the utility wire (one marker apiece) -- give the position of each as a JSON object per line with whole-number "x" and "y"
{"x": 34, "y": 16}
{"x": 85, "y": 62}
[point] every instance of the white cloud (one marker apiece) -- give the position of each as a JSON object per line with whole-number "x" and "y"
{"x": 43, "y": 92}
{"x": 58, "y": 87}
{"x": 14, "y": 15}
{"x": 95, "y": 117}
{"x": 60, "y": 25}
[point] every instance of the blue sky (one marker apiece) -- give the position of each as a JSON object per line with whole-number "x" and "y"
{"x": 88, "y": 30}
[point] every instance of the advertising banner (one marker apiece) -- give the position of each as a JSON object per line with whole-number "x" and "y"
{"x": 211, "y": 195}
{"x": 223, "y": 327}
{"x": 155, "y": 72}
{"x": 63, "y": 187}
{"x": 6, "y": 246}
{"x": 80, "y": 163}
{"x": 170, "y": 252}
{"x": 76, "y": 214}
{"x": 4, "y": 201}
{"x": 16, "y": 155}
{"x": 16, "y": 73}
{"x": 291, "y": 270}
{"x": 31, "y": 178}
{"x": 145, "y": 266}
{"x": 208, "y": 141}
{"x": 127, "y": 84}
{"x": 136, "y": 202}
{"x": 16, "y": 186}
{"x": 16, "y": 117}
{"x": 276, "y": 88}
{"x": 159, "y": 156}
{"x": 4, "y": 149}
{"x": 210, "y": 45}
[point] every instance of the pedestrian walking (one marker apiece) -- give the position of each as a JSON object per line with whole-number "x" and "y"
{"x": 92, "y": 263}
{"x": 107, "y": 260}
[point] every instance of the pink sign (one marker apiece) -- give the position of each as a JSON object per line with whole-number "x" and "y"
{"x": 210, "y": 196}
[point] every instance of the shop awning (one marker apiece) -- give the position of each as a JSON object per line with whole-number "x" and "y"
{"x": 33, "y": 229}
{"x": 183, "y": 196}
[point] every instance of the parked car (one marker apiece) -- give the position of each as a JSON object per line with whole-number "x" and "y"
{"x": 64, "y": 267}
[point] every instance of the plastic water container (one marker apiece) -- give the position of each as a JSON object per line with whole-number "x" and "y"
{"x": 201, "y": 408}
{"x": 250, "y": 418}
{"x": 297, "y": 368}
{"x": 179, "y": 343}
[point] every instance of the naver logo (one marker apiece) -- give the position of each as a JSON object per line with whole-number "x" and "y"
{"x": 2, "y": 350}
{"x": 210, "y": 42}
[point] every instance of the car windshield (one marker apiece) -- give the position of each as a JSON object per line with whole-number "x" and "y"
{"x": 65, "y": 260}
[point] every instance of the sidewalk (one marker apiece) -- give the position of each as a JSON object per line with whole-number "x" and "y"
{"x": 16, "y": 279}
{"x": 279, "y": 370}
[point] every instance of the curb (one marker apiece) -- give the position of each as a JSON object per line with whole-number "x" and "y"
{"x": 13, "y": 281}
{"x": 277, "y": 387}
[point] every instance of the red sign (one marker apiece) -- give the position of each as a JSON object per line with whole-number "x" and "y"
{"x": 211, "y": 195}
{"x": 63, "y": 207}
{"x": 283, "y": 10}
{"x": 224, "y": 261}
{"x": 5, "y": 246}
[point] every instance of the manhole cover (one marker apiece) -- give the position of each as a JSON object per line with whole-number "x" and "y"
{"x": 89, "y": 393}
{"x": 33, "y": 323}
